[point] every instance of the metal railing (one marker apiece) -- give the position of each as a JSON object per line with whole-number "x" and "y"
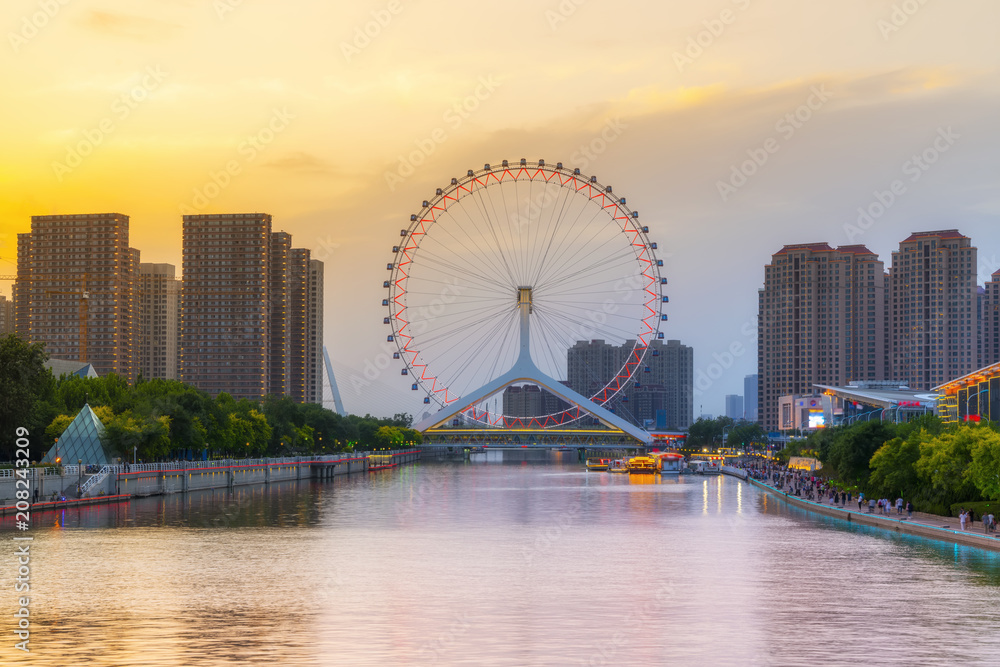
{"x": 96, "y": 479}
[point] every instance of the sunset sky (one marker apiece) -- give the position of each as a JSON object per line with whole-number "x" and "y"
{"x": 314, "y": 116}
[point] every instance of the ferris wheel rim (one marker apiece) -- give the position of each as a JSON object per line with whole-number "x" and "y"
{"x": 475, "y": 180}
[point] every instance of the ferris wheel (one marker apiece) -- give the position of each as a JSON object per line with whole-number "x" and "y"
{"x": 502, "y": 271}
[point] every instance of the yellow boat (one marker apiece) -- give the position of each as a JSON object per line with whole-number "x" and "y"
{"x": 598, "y": 464}
{"x": 641, "y": 465}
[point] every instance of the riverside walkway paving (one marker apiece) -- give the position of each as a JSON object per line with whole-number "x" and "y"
{"x": 923, "y": 524}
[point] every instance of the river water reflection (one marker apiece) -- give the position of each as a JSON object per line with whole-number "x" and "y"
{"x": 472, "y": 564}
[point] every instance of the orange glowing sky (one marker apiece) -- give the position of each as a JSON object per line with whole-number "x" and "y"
{"x": 173, "y": 89}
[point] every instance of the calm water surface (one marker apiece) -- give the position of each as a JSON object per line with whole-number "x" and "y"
{"x": 486, "y": 564}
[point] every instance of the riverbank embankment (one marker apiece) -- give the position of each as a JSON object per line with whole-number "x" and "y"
{"x": 927, "y": 525}
{"x": 73, "y": 487}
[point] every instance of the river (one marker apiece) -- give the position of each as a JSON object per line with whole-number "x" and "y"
{"x": 494, "y": 564}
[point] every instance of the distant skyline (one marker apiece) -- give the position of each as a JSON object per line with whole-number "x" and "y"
{"x": 735, "y": 127}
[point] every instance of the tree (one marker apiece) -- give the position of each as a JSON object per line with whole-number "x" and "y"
{"x": 943, "y": 463}
{"x": 23, "y": 380}
{"x": 892, "y": 466}
{"x": 984, "y": 470}
{"x": 853, "y": 448}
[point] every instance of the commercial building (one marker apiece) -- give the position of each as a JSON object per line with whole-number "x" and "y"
{"x": 734, "y": 406}
{"x": 226, "y": 311}
{"x": 934, "y": 320}
{"x": 990, "y": 321}
{"x": 971, "y": 397}
{"x": 75, "y": 289}
{"x": 750, "y": 397}
{"x": 821, "y": 319}
{"x": 158, "y": 295}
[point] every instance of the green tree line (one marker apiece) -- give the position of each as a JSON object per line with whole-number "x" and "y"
{"x": 165, "y": 419}
{"x": 924, "y": 461}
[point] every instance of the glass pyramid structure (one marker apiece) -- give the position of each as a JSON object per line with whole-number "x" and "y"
{"x": 81, "y": 441}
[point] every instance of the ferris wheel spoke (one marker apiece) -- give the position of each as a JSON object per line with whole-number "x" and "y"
{"x": 547, "y": 228}
{"x": 470, "y": 252}
{"x": 478, "y": 346}
{"x": 448, "y": 330}
{"x": 462, "y": 219}
{"x": 555, "y": 224}
{"x": 592, "y": 324}
{"x": 477, "y": 197}
{"x": 603, "y": 271}
{"x": 459, "y": 270}
{"x": 568, "y": 254}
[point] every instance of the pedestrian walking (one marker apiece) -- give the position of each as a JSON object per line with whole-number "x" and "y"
{"x": 899, "y": 505}
{"x": 962, "y": 518}
{"x": 909, "y": 509}
{"x": 871, "y": 506}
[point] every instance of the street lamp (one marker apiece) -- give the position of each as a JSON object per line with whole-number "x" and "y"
{"x": 972, "y": 397}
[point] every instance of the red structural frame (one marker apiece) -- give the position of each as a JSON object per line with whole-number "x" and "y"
{"x": 421, "y": 223}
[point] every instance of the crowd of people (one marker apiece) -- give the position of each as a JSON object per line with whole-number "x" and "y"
{"x": 807, "y": 485}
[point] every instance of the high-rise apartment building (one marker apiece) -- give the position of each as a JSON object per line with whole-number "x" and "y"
{"x": 821, "y": 320}
{"x": 21, "y": 290}
{"x": 299, "y": 320}
{"x": 991, "y": 322}
{"x": 314, "y": 334}
{"x": 226, "y": 311}
{"x": 158, "y": 294}
{"x": 934, "y": 323}
{"x": 750, "y": 397}
{"x": 6, "y": 316}
{"x": 75, "y": 289}
{"x": 280, "y": 346}
{"x": 663, "y": 383}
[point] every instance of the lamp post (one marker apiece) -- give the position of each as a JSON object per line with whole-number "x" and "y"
{"x": 972, "y": 397}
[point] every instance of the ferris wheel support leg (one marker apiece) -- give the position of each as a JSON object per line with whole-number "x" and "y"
{"x": 608, "y": 418}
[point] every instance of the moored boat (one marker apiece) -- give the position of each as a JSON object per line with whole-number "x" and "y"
{"x": 598, "y": 464}
{"x": 618, "y": 465}
{"x": 641, "y": 465}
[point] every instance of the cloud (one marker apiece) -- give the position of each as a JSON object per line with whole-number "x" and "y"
{"x": 301, "y": 163}
{"x": 128, "y": 26}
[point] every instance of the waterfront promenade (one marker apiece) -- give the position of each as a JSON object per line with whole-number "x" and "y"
{"x": 922, "y": 524}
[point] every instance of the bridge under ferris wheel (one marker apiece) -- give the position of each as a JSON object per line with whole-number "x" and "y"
{"x": 498, "y": 258}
